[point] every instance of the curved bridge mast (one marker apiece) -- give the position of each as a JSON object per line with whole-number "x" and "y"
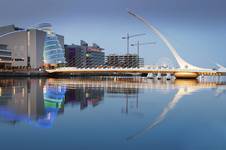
{"x": 181, "y": 62}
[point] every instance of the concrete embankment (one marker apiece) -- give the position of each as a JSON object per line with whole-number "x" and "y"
{"x": 46, "y": 74}
{"x": 23, "y": 74}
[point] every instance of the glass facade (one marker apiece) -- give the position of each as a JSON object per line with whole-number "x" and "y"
{"x": 5, "y": 55}
{"x": 53, "y": 50}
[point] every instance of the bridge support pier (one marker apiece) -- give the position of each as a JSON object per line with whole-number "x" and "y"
{"x": 186, "y": 75}
{"x": 159, "y": 76}
{"x": 168, "y": 76}
{"x": 150, "y": 76}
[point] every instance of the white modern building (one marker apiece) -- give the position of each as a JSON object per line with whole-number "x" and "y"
{"x": 27, "y": 45}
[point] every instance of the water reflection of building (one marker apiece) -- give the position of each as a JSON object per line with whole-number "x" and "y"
{"x": 39, "y": 102}
{"x": 21, "y": 100}
{"x": 129, "y": 91}
{"x": 54, "y": 97}
{"x": 84, "y": 96}
{"x": 130, "y": 95}
{"x": 30, "y": 101}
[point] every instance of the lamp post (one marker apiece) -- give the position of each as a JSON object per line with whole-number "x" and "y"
{"x": 127, "y": 37}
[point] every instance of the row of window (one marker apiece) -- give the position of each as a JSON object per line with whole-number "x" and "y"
{"x": 5, "y": 59}
{"x": 51, "y": 47}
{"x": 52, "y": 52}
{"x": 5, "y": 53}
{"x": 51, "y": 42}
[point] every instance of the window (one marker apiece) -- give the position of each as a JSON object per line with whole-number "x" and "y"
{"x": 19, "y": 59}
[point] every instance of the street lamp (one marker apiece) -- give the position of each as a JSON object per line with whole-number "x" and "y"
{"x": 128, "y": 38}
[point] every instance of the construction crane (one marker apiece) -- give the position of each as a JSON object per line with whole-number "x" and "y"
{"x": 127, "y": 37}
{"x": 138, "y": 44}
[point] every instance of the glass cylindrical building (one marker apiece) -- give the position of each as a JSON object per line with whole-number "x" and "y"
{"x": 53, "y": 53}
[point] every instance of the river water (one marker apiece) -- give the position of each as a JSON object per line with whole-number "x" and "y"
{"x": 112, "y": 113}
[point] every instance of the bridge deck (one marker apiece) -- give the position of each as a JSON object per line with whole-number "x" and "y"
{"x": 130, "y": 70}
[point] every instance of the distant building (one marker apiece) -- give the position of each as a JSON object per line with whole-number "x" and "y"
{"x": 84, "y": 55}
{"x": 124, "y": 61}
{"x": 75, "y": 56}
{"x": 95, "y": 56}
{"x": 5, "y": 57}
{"x": 28, "y": 45}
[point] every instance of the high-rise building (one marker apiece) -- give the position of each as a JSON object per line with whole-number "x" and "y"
{"x": 84, "y": 55}
{"x": 28, "y": 45}
{"x": 124, "y": 61}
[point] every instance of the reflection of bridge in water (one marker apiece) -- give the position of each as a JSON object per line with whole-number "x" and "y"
{"x": 139, "y": 83}
{"x": 185, "y": 70}
{"x": 183, "y": 87}
{"x": 186, "y": 87}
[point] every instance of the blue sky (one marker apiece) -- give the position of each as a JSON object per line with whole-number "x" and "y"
{"x": 197, "y": 28}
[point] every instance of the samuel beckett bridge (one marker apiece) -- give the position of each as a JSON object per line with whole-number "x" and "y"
{"x": 185, "y": 70}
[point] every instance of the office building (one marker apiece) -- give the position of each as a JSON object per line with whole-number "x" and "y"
{"x": 75, "y": 56}
{"x": 124, "y": 61}
{"x": 94, "y": 56}
{"x": 84, "y": 56}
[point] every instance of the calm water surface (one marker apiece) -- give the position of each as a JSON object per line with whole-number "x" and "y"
{"x": 122, "y": 113}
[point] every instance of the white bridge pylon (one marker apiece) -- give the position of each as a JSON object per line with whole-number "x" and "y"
{"x": 221, "y": 68}
{"x": 181, "y": 62}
